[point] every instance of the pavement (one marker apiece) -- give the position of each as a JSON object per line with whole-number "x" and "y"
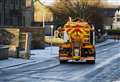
{"x": 37, "y": 56}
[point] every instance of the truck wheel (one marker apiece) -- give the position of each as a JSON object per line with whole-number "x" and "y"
{"x": 90, "y": 61}
{"x": 63, "y": 61}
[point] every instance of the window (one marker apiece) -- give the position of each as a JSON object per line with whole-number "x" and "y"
{"x": 12, "y": 1}
{"x": 118, "y": 19}
{"x": 17, "y": 4}
{"x": 20, "y": 20}
{"x": 0, "y": 19}
{"x": 28, "y": 3}
{"x": 5, "y": 20}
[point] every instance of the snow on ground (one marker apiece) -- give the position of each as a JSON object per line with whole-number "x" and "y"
{"x": 12, "y": 62}
{"x": 39, "y": 55}
{"x": 105, "y": 42}
{"x": 45, "y": 54}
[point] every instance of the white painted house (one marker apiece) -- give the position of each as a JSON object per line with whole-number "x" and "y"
{"x": 116, "y": 20}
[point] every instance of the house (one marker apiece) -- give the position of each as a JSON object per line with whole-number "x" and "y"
{"x": 116, "y": 20}
{"x": 15, "y": 12}
{"x": 43, "y": 17}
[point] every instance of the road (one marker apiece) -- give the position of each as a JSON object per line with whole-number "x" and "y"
{"x": 106, "y": 69}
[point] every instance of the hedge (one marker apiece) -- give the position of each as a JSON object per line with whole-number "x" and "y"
{"x": 113, "y": 32}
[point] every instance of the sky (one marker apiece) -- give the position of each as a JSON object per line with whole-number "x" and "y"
{"x": 47, "y": 2}
{"x": 50, "y": 2}
{"x": 115, "y": 2}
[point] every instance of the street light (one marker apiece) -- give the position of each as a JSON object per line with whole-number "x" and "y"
{"x": 51, "y": 27}
{"x": 99, "y": 30}
{"x": 43, "y": 16}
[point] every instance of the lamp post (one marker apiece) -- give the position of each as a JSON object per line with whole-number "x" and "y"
{"x": 43, "y": 16}
{"x": 51, "y": 30}
{"x": 51, "y": 27}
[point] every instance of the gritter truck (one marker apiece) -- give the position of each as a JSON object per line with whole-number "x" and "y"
{"x": 76, "y": 41}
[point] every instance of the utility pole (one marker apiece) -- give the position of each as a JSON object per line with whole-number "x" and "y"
{"x": 43, "y": 18}
{"x": 51, "y": 36}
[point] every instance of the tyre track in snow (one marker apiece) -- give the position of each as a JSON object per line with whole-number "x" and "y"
{"x": 97, "y": 66}
{"x": 52, "y": 71}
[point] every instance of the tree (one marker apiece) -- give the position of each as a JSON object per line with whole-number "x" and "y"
{"x": 85, "y": 9}
{"x": 73, "y": 8}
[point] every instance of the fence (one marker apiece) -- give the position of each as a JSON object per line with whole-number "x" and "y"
{"x": 21, "y": 39}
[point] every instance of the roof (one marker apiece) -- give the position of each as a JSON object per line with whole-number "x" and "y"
{"x": 41, "y": 11}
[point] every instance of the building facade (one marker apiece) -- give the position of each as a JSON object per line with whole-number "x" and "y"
{"x": 42, "y": 13}
{"x": 13, "y": 12}
{"x": 116, "y": 20}
{"x": 43, "y": 17}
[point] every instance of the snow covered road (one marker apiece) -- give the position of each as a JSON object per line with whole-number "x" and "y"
{"x": 106, "y": 69}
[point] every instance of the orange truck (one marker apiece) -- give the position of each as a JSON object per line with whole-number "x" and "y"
{"x": 76, "y": 43}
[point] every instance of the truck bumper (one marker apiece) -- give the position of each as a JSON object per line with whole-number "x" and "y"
{"x": 81, "y": 58}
